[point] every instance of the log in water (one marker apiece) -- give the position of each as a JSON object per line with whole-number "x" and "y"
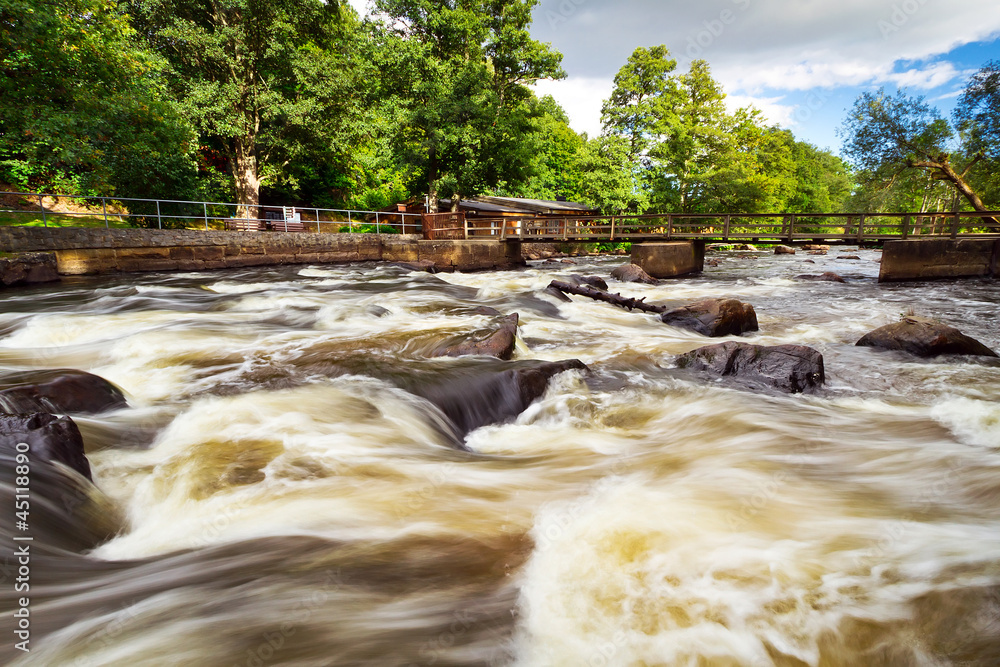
{"x": 287, "y": 494}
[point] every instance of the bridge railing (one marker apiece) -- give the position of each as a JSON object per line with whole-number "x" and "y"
{"x": 777, "y": 227}
{"x": 44, "y": 210}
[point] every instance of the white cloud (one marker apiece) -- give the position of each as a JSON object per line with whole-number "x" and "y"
{"x": 360, "y": 6}
{"x": 582, "y": 99}
{"x": 774, "y": 112}
{"x": 928, "y": 78}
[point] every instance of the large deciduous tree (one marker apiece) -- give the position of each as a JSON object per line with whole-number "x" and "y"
{"x": 884, "y": 135}
{"x": 460, "y": 73}
{"x": 265, "y": 81}
{"x": 81, "y": 106}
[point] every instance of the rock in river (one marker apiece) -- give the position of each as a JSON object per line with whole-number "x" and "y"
{"x": 630, "y": 273}
{"x": 789, "y": 368}
{"x": 924, "y": 338}
{"x": 714, "y": 317}
{"x": 58, "y": 391}
{"x": 499, "y": 344}
{"x": 492, "y": 397}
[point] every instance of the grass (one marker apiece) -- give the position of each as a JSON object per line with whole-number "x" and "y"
{"x": 34, "y": 219}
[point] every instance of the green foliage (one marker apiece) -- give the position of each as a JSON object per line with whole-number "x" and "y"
{"x": 368, "y": 228}
{"x": 81, "y": 109}
{"x": 458, "y": 72}
{"x": 266, "y": 82}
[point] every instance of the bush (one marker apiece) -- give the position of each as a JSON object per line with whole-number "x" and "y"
{"x": 368, "y": 228}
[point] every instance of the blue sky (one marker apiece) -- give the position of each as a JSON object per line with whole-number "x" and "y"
{"x": 801, "y": 62}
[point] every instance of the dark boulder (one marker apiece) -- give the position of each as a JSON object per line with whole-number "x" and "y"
{"x": 28, "y": 268}
{"x": 924, "y": 338}
{"x": 489, "y": 397}
{"x": 68, "y": 513}
{"x": 49, "y": 438}
{"x": 714, "y": 317}
{"x": 594, "y": 281}
{"x": 823, "y": 277}
{"x": 60, "y": 391}
{"x": 789, "y": 368}
{"x": 630, "y": 273}
{"x": 499, "y": 344}
{"x": 848, "y": 257}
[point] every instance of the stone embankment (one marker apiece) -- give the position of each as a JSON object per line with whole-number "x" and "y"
{"x": 93, "y": 251}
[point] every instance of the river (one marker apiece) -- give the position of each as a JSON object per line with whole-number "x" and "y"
{"x": 284, "y": 499}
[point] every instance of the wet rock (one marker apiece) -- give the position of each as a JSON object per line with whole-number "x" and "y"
{"x": 532, "y": 257}
{"x": 630, "y": 273}
{"x": 813, "y": 246}
{"x": 486, "y": 310}
{"x": 425, "y": 265}
{"x": 60, "y": 391}
{"x": 809, "y": 261}
{"x": 28, "y": 268}
{"x": 712, "y": 262}
{"x": 499, "y": 344}
{"x": 49, "y": 438}
{"x": 714, "y": 317}
{"x": 377, "y": 311}
{"x": 924, "y": 338}
{"x": 848, "y": 257}
{"x": 568, "y": 261}
{"x": 486, "y": 398}
{"x": 745, "y": 246}
{"x": 827, "y": 277}
{"x": 552, "y": 291}
{"x": 784, "y": 250}
{"x": 594, "y": 281}
{"x": 68, "y": 512}
{"x": 817, "y": 252}
{"x": 788, "y": 368}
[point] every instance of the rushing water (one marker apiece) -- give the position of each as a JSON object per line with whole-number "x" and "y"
{"x": 286, "y": 499}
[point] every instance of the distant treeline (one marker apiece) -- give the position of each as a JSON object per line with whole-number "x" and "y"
{"x": 304, "y": 101}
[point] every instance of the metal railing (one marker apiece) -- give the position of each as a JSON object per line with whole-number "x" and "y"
{"x": 206, "y": 215}
{"x": 725, "y": 227}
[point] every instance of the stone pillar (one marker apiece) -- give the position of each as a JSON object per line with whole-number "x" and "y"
{"x": 923, "y": 259}
{"x": 668, "y": 260}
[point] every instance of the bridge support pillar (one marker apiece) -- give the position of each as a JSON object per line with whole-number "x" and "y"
{"x": 923, "y": 259}
{"x": 668, "y": 260}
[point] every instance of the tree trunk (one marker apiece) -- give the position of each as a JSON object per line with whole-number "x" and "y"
{"x": 456, "y": 199}
{"x": 946, "y": 173}
{"x": 244, "y": 167}
{"x": 432, "y": 181}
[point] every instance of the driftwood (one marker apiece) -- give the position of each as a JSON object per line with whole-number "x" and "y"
{"x": 614, "y": 299}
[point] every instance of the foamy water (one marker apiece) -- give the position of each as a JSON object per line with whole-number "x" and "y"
{"x": 290, "y": 501}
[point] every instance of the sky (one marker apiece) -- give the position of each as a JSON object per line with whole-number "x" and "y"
{"x": 801, "y": 62}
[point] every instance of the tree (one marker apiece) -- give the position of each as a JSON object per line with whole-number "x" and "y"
{"x": 265, "y": 81}
{"x": 885, "y": 135}
{"x": 460, "y": 72}
{"x": 81, "y": 106}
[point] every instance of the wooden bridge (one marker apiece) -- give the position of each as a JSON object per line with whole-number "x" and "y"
{"x": 837, "y": 228}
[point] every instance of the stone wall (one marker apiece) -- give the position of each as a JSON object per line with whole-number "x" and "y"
{"x": 924, "y": 259}
{"x": 92, "y": 251}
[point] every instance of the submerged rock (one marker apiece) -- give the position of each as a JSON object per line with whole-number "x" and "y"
{"x": 823, "y": 277}
{"x": 594, "y": 281}
{"x": 499, "y": 344}
{"x": 630, "y": 273}
{"x": 714, "y": 317}
{"x": 789, "y": 368}
{"x": 424, "y": 265}
{"x": 492, "y": 397}
{"x": 59, "y": 391}
{"x": 924, "y": 338}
